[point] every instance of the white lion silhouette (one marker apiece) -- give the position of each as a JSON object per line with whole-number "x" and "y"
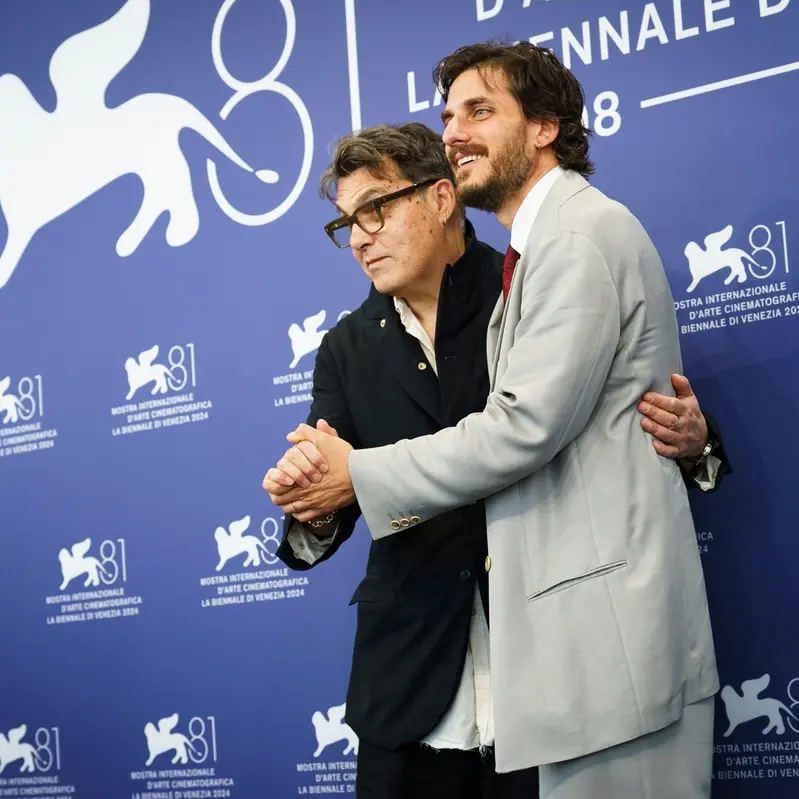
{"x": 143, "y": 371}
{"x": 749, "y": 706}
{"x": 162, "y": 739}
{"x": 52, "y": 161}
{"x": 332, "y": 729}
{"x": 76, "y": 563}
{"x": 9, "y": 403}
{"x": 13, "y": 748}
{"x": 230, "y": 544}
{"x": 702, "y": 263}
{"x": 305, "y": 339}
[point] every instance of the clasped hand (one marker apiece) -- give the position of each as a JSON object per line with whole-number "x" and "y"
{"x": 312, "y": 479}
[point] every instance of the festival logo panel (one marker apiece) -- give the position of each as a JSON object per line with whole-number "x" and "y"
{"x": 294, "y": 386}
{"x": 737, "y": 275}
{"x": 94, "y": 584}
{"x": 332, "y": 767}
{"x": 31, "y": 763}
{"x": 247, "y": 569}
{"x": 164, "y": 389}
{"x": 23, "y": 425}
{"x": 181, "y": 758}
{"x": 761, "y": 738}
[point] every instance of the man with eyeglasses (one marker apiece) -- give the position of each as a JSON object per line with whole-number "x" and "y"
{"x": 411, "y": 361}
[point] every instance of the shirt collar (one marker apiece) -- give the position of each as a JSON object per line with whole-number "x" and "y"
{"x": 525, "y": 217}
{"x": 406, "y": 315}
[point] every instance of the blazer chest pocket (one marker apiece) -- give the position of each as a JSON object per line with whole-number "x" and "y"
{"x": 371, "y": 589}
{"x": 599, "y": 571}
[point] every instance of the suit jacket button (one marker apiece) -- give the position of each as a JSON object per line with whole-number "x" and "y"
{"x": 382, "y": 323}
{"x": 422, "y": 366}
{"x": 415, "y": 520}
{"x": 405, "y": 522}
{"x": 465, "y": 574}
{"x": 395, "y": 525}
{"x": 488, "y": 563}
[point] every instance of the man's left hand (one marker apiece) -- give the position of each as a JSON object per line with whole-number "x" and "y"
{"x": 333, "y": 491}
{"x": 677, "y": 423}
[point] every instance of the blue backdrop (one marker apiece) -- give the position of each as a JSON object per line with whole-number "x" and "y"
{"x": 163, "y": 294}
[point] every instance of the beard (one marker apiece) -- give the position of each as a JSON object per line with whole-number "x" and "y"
{"x": 511, "y": 167}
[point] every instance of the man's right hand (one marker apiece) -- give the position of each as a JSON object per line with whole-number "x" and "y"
{"x": 301, "y": 465}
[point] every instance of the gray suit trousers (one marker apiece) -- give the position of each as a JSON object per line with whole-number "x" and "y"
{"x": 673, "y": 763}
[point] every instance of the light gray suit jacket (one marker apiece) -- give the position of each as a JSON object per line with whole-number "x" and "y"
{"x": 600, "y": 631}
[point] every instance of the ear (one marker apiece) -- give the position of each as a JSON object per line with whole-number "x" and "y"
{"x": 545, "y": 132}
{"x": 443, "y": 194}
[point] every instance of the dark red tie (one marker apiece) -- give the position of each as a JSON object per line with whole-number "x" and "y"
{"x": 511, "y": 257}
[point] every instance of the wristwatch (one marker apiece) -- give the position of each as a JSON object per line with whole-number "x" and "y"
{"x": 709, "y": 447}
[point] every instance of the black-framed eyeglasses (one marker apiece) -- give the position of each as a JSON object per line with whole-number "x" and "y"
{"x": 369, "y": 215}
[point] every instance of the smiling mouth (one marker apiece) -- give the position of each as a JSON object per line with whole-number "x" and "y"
{"x": 467, "y": 159}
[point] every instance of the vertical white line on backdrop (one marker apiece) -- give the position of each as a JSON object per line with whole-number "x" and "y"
{"x": 352, "y": 62}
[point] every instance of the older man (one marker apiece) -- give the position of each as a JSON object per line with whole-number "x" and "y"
{"x": 409, "y": 362}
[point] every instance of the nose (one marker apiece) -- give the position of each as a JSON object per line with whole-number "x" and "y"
{"x": 454, "y": 133}
{"x": 359, "y": 239}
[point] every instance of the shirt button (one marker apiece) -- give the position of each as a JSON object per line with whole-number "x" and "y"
{"x": 488, "y": 563}
{"x": 465, "y": 574}
{"x": 422, "y": 366}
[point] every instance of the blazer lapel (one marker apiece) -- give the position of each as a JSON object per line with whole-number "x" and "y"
{"x": 402, "y": 355}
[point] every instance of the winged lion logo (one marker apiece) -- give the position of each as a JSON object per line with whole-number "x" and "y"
{"x": 52, "y": 161}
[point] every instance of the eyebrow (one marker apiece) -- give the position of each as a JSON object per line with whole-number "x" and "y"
{"x": 359, "y": 200}
{"x": 470, "y": 103}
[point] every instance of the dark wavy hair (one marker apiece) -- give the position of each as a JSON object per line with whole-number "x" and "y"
{"x": 544, "y": 87}
{"x": 413, "y": 149}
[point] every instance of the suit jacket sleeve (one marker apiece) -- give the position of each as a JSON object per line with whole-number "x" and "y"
{"x": 329, "y": 403}
{"x": 563, "y": 348}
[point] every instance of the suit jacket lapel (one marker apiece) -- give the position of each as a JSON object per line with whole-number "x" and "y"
{"x": 402, "y": 355}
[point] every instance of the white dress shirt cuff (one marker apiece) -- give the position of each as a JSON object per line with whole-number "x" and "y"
{"x": 305, "y": 545}
{"x": 705, "y": 476}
